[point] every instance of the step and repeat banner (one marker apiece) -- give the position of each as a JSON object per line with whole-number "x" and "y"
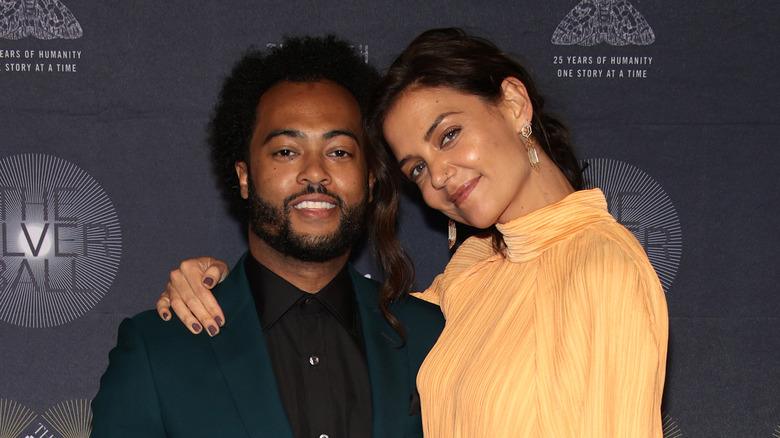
{"x": 105, "y": 181}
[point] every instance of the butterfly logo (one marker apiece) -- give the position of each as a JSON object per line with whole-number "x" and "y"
{"x": 43, "y": 19}
{"x": 592, "y": 22}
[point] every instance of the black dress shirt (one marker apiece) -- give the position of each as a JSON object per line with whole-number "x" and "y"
{"x": 317, "y": 352}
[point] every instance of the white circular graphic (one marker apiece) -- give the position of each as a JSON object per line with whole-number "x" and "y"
{"x": 641, "y": 205}
{"x": 14, "y": 418}
{"x": 60, "y": 241}
{"x": 70, "y": 419}
{"x": 670, "y": 428}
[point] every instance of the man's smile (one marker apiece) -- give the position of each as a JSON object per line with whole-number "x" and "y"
{"x": 318, "y": 205}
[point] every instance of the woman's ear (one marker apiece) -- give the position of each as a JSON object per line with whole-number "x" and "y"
{"x": 243, "y": 178}
{"x": 516, "y": 100}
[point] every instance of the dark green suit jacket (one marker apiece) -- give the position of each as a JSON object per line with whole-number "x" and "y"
{"x": 163, "y": 381}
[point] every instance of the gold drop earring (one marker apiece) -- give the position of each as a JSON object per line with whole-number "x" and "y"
{"x": 452, "y": 233}
{"x": 533, "y": 157}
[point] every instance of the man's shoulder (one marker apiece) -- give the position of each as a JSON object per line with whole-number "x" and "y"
{"x": 414, "y": 311}
{"x": 152, "y": 328}
{"x": 407, "y": 303}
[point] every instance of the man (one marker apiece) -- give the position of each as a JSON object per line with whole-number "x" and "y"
{"x": 307, "y": 351}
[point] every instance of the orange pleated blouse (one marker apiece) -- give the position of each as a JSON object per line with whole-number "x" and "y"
{"x": 564, "y": 336}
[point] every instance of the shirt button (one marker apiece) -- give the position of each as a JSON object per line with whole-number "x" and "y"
{"x": 313, "y": 361}
{"x": 308, "y": 301}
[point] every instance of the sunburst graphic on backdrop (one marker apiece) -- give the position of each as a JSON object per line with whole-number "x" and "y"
{"x": 71, "y": 419}
{"x": 13, "y": 418}
{"x": 61, "y": 241}
{"x": 639, "y": 203}
{"x": 670, "y": 428}
{"x": 43, "y": 19}
{"x": 776, "y": 433}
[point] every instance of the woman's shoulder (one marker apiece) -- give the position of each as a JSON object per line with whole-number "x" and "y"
{"x": 615, "y": 266}
{"x": 472, "y": 251}
{"x": 613, "y": 243}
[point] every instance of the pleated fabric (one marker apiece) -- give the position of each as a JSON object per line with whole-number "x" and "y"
{"x": 565, "y": 336}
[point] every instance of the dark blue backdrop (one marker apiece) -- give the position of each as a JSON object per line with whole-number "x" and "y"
{"x": 105, "y": 183}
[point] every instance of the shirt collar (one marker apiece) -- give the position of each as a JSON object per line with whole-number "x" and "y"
{"x": 274, "y": 295}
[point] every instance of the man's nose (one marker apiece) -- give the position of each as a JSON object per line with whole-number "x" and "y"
{"x": 314, "y": 171}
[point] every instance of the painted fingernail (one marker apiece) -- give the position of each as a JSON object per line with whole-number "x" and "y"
{"x": 196, "y": 327}
{"x": 212, "y": 330}
{"x": 219, "y": 321}
{"x": 208, "y": 281}
{"x": 166, "y": 316}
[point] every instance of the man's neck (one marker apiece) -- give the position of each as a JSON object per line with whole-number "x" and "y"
{"x": 309, "y": 277}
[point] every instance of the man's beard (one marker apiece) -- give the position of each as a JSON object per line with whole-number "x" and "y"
{"x": 272, "y": 224}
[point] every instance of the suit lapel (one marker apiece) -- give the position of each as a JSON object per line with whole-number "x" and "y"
{"x": 388, "y": 367}
{"x": 242, "y": 355}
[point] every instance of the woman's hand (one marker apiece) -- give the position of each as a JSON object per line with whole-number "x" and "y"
{"x": 189, "y": 294}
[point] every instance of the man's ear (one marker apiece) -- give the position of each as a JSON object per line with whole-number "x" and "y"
{"x": 515, "y": 101}
{"x": 371, "y": 181}
{"x": 242, "y": 171}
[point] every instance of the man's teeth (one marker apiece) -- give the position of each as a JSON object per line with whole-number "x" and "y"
{"x": 314, "y": 205}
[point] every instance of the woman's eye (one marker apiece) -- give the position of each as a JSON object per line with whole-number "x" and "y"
{"x": 416, "y": 171}
{"x": 449, "y": 136}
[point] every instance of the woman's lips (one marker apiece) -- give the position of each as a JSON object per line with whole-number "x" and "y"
{"x": 463, "y": 192}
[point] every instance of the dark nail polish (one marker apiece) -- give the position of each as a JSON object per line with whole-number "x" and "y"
{"x": 212, "y": 330}
{"x": 219, "y": 320}
{"x": 196, "y": 327}
{"x": 166, "y": 316}
{"x": 208, "y": 281}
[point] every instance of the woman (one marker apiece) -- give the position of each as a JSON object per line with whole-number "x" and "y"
{"x": 556, "y": 321}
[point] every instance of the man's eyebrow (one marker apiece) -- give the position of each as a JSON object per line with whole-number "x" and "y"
{"x": 436, "y": 123}
{"x": 283, "y": 132}
{"x": 300, "y": 134}
{"x": 338, "y": 132}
